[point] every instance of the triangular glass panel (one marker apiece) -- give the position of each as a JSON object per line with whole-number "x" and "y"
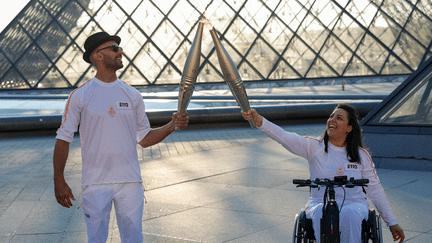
{"x": 358, "y": 68}
{"x": 165, "y": 6}
{"x": 132, "y": 39}
{"x": 327, "y": 13}
{"x": 54, "y": 6}
{"x": 4, "y": 65}
{"x": 348, "y": 31}
{"x": 385, "y": 29}
{"x": 409, "y": 50}
{"x": 277, "y": 35}
{"x": 283, "y": 71}
{"x": 320, "y": 69}
{"x": 240, "y": 36}
{"x": 132, "y": 76}
{"x": 247, "y": 73}
{"x": 291, "y": 13}
{"x": 419, "y": 26}
{"x": 73, "y": 18}
{"x": 362, "y": 11}
{"x": 169, "y": 76}
{"x": 33, "y": 64}
{"x": 129, "y": 5}
{"x": 15, "y": 42}
{"x": 262, "y": 57}
{"x": 53, "y": 79}
{"x": 372, "y": 53}
{"x": 209, "y": 74}
{"x": 71, "y": 64}
{"x": 299, "y": 56}
{"x": 335, "y": 54}
{"x": 411, "y": 106}
{"x": 183, "y": 16}
{"x": 167, "y": 38}
{"x": 110, "y": 16}
{"x": 399, "y": 11}
{"x": 13, "y": 80}
{"x": 53, "y": 41}
{"x": 313, "y": 33}
{"x": 249, "y": 14}
{"x": 150, "y": 60}
{"x": 147, "y": 17}
{"x": 394, "y": 66}
{"x": 92, "y": 6}
{"x": 35, "y": 19}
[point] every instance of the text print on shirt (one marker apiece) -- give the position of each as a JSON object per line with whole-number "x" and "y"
{"x": 123, "y": 105}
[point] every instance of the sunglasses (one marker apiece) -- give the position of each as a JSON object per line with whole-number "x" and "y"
{"x": 115, "y": 48}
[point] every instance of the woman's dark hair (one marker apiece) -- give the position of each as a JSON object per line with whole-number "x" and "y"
{"x": 354, "y": 138}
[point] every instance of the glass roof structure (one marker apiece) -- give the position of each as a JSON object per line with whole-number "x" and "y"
{"x": 267, "y": 39}
{"x": 408, "y": 109}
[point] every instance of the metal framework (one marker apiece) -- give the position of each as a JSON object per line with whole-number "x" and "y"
{"x": 268, "y": 40}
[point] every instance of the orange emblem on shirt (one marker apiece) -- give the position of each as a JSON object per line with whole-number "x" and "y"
{"x": 111, "y": 111}
{"x": 340, "y": 171}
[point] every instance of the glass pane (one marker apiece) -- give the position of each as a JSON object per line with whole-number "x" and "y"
{"x": 385, "y": 30}
{"x": 420, "y": 27}
{"x": 398, "y": 10}
{"x": 73, "y": 18}
{"x": 255, "y": 14}
{"x": 54, "y": 41}
{"x": 13, "y": 80}
{"x": 277, "y": 35}
{"x": 372, "y": 53}
{"x": 33, "y": 64}
{"x": 35, "y": 19}
{"x": 409, "y": 50}
{"x": 262, "y": 57}
{"x": 358, "y": 68}
{"x": 4, "y": 65}
{"x": 53, "y": 79}
{"x": 15, "y": 42}
{"x": 291, "y": 14}
{"x": 241, "y": 36}
{"x": 147, "y": 17}
{"x": 110, "y": 17}
{"x": 414, "y": 107}
{"x": 299, "y": 56}
{"x": 320, "y": 69}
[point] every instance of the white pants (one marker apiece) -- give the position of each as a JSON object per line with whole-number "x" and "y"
{"x": 350, "y": 220}
{"x": 128, "y": 201}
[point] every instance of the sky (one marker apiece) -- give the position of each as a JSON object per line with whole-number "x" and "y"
{"x": 9, "y": 9}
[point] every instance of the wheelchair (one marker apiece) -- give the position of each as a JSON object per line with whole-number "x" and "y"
{"x": 304, "y": 232}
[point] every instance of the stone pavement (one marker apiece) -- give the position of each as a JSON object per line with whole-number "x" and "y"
{"x": 219, "y": 184}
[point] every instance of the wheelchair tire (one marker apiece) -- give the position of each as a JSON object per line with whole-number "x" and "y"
{"x": 379, "y": 229}
{"x": 296, "y": 239}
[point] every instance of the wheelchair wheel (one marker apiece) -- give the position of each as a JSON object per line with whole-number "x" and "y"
{"x": 296, "y": 238}
{"x": 375, "y": 231}
{"x": 379, "y": 229}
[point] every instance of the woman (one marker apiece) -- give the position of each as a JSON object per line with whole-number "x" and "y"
{"x": 339, "y": 151}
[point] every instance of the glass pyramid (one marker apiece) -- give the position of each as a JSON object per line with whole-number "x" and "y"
{"x": 267, "y": 39}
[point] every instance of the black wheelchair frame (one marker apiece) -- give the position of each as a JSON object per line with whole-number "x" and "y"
{"x": 303, "y": 230}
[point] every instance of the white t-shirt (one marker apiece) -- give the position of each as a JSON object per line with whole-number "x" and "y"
{"x": 111, "y": 117}
{"x": 333, "y": 163}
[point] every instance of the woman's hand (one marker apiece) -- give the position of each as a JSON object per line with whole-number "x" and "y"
{"x": 247, "y": 115}
{"x": 397, "y": 233}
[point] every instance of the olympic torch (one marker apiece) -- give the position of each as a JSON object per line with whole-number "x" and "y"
{"x": 231, "y": 75}
{"x": 190, "y": 71}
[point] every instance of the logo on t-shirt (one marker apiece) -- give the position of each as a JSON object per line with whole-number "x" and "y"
{"x": 111, "y": 111}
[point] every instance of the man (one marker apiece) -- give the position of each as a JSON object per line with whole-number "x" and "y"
{"x": 111, "y": 117}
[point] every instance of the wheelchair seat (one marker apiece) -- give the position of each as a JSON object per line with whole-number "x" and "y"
{"x": 304, "y": 232}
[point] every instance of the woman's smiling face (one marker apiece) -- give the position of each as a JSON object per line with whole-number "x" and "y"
{"x": 338, "y": 127}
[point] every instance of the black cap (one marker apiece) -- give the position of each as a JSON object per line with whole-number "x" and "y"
{"x": 96, "y": 40}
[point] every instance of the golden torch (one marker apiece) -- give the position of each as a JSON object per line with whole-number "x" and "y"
{"x": 190, "y": 71}
{"x": 231, "y": 75}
